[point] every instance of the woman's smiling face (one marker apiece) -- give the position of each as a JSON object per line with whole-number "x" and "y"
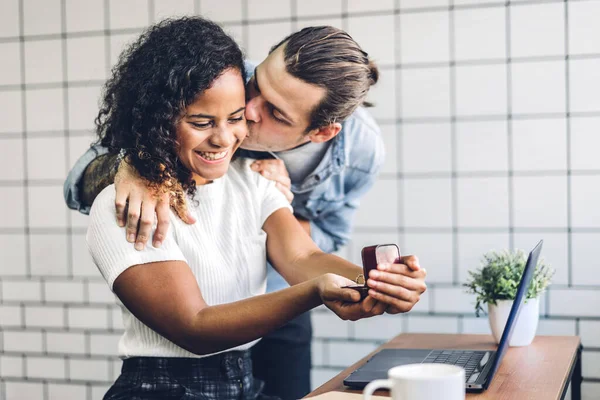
{"x": 213, "y": 127}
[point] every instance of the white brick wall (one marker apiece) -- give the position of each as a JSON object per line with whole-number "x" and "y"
{"x": 76, "y": 317}
{"x": 10, "y": 316}
{"x": 116, "y": 317}
{"x": 590, "y": 390}
{"x": 99, "y": 292}
{"x": 89, "y": 370}
{"x": 574, "y": 302}
{"x": 46, "y": 367}
{"x": 327, "y": 324}
{"x": 87, "y": 317}
{"x": 424, "y": 305}
{"x": 116, "y": 369}
{"x": 321, "y": 375}
{"x": 66, "y": 391}
{"x": 479, "y": 325}
{"x": 590, "y": 364}
{"x": 104, "y": 343}
{"x": 21, "y": 290}
{"x": 345, "y": 353}
{"x": 418, "y": 324}
{"x": 99, "y": 390}
{"x": 22, "y": 341}
{"x": 556, "y": 327}
{"x": 318, "y": 353}
{"x": 543, "y": 304}
{"x": 453, "y": 300}
{"x": 44, "y": 317}
{"x": 590, "y": 333}
{"x": 23, "y": 390}
{"x": 83, "y": 265}
{"x": 68, "y": 292}
{"x": 66, "y": 342}
{"x": 11, "y": 366}
{"x": 383, "y": 327}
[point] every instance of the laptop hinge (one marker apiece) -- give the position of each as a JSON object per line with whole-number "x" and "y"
{"x": 485, "y": 373}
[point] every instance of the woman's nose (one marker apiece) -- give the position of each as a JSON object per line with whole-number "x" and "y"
{"x": 223, "y": 137}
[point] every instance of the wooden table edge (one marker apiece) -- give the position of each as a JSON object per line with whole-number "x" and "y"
{"x": 336, "y": 383}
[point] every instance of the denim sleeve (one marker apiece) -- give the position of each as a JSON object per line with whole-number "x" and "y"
{"x": 71, "y": 185}
{"x": 333, "y": 230}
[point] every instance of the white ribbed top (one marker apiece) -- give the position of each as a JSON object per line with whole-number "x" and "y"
{"x": 225, "y": 248}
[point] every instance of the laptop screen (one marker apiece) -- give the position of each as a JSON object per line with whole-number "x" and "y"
{"x": 532, "y": 261}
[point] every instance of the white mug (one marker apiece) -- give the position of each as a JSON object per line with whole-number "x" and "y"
{"x": 422, "y": 382}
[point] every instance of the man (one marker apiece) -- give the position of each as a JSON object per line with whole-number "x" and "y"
{"x": 308, "y": 134}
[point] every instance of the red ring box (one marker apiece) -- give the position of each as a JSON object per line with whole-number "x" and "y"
{"x": 371, "y": 257}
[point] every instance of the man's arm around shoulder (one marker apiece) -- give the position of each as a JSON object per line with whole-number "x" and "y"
{"x": 92, "y": 172}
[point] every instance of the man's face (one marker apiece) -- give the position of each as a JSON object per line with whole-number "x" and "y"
{"x": 278, "y": 106}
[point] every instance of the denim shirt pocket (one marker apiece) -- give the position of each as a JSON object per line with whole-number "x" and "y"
{"x": 324, "y": 203}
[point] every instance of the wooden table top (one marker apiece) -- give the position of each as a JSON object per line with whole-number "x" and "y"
{"x": 538, "y": 371}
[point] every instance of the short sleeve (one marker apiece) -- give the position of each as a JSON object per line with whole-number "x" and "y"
{"x": 269, "y": 197}
{"x": 272, "y": 200}
{"x": 111, "y": 252}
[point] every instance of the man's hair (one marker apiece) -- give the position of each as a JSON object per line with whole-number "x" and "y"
{"x": 329, "y": 58}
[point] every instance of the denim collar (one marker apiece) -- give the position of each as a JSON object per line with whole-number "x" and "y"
{"x": 332, "y": 163}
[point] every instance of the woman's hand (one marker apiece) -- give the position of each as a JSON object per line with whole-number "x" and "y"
{"x": 400, "y": 286}
{"x": 136, "y": 204}
{"x": 346, "y": 303}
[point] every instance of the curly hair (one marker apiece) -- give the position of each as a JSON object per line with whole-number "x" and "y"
{"x": 151, "y": 85}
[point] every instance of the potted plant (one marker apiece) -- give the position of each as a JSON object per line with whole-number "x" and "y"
{"x": 495, "y": 283}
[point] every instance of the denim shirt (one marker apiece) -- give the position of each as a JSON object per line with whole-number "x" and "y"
{"x": 327, "y": 198}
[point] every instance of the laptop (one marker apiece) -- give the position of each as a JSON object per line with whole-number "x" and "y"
{"x": 480, "y": 366}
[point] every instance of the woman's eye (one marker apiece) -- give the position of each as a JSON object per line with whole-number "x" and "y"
{"x": 201, "y": 126}
{"x": 235, "y": 120}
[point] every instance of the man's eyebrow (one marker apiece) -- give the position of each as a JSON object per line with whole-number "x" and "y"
{"x": 212, "y": 116}
{"x": 289, "y": 120}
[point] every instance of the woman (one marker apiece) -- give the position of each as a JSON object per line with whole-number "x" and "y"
{"x": 194, "y": 306}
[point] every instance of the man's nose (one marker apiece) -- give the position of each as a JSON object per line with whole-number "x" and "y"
{"x": 253, "y": 108}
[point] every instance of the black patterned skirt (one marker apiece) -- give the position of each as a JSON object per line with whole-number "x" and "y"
{"x": 222, "y": 376}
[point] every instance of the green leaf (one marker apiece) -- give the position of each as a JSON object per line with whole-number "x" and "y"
{"x": 499, "y": 275}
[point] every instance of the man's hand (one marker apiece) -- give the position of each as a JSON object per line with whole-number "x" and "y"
{"x": 346, "y": 303}
{"x": 136, "y": 205}
{"x": 398, "y": 285}
{"x": 274, "y": 170}
{"x": 97, "y": 175}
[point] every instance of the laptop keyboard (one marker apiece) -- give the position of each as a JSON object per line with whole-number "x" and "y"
{"x": 469, "y": 360}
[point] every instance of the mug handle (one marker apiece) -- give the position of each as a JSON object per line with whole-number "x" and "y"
{"x": 374, "y": 385}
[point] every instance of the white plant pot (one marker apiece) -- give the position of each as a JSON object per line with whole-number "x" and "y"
{"x": 525, "y": 326}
